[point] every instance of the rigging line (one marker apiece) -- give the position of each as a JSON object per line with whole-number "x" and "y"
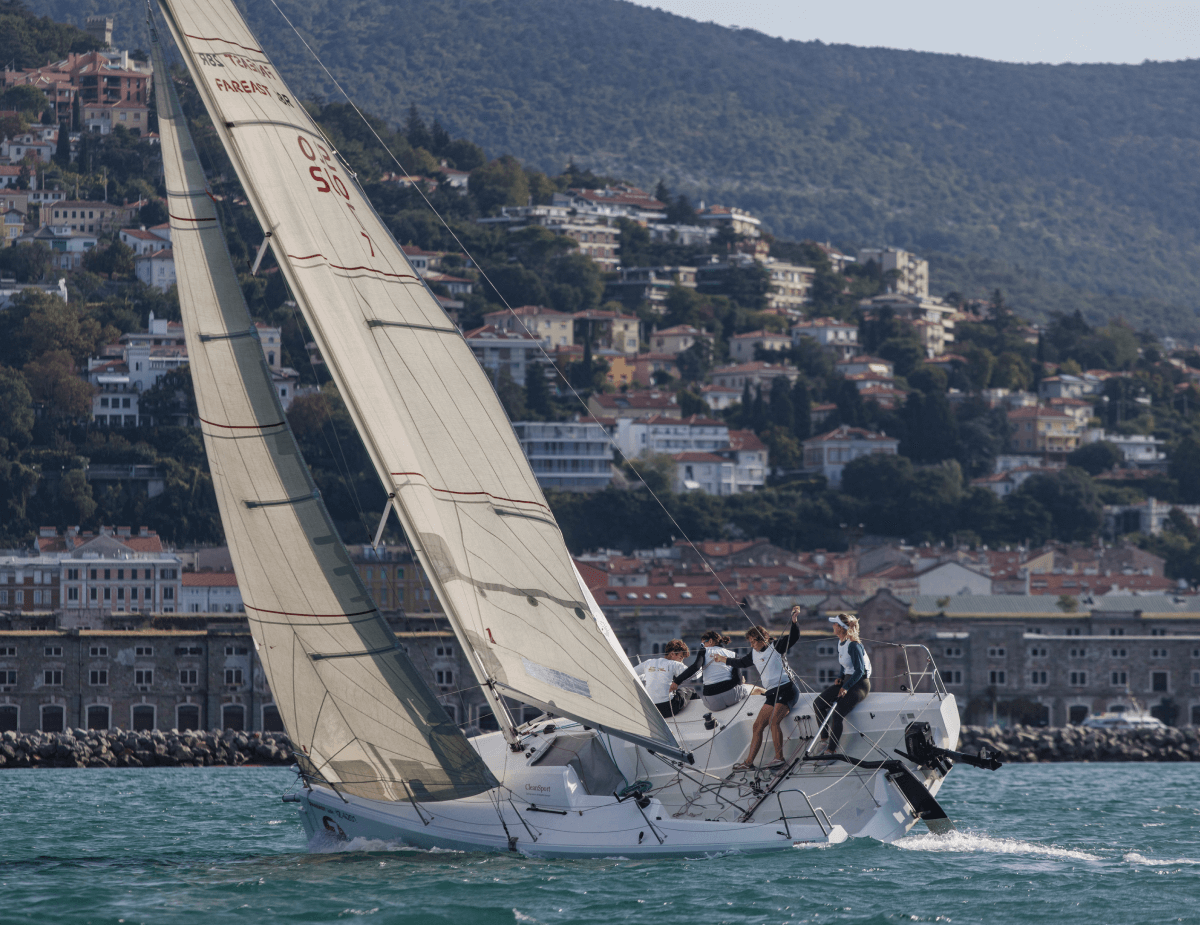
{"x": 487, "y": 279}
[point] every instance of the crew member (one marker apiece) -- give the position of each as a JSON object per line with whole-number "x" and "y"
{"x": 852, "y": 685}
{"x": 659, "y": 674}
{"x": 775, "y": 676}
{"x": 722, "y": 687}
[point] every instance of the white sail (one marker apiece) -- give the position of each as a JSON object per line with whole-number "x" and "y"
{"x": 428, "y": 414}
{"x": 357, "y": 711}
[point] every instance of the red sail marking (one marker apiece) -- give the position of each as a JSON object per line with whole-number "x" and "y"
{"x": 203, "y": 38}
{"x": 450, "y": 491}
{"x": 286, "y": 613}
{"x": 241, "y": 426}
{"x": 368, "y": 269}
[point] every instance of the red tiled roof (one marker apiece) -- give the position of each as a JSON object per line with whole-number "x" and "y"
{"x": 695, "y": 456}
{"x": 745, "y": 440}
{"x": 209, "y": 580}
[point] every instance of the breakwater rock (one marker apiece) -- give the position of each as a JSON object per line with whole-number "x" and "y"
{"x": 1076, "y": 743}
{"x": 117, "y": 748}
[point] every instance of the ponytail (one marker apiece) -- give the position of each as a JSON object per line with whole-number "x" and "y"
{"x": 716, "y": 638}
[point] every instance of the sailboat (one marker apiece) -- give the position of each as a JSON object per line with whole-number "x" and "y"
{"x": 600, "y": 772}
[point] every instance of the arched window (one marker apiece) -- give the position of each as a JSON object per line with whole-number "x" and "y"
{"x": 52, "y": 718}
{"x": 233, "y": 716}
{"x": 187, "y": 716}
{"x": 271, "y": 720}
{"x": 143, "y": 717}
{"x": 98, "y": 716}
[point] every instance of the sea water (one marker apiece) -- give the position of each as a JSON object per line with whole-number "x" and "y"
{"x": 1055, "y": 843}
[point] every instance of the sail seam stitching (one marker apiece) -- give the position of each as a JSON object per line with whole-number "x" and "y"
{"x": 451, "y": 491}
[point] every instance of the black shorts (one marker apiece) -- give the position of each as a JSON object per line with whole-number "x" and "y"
{"x": 784, "y": 693}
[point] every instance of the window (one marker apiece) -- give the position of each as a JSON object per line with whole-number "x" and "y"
{"x": 826, "y": 675}
{"x": 9, "y": 651}
{"x": 92, "y": 593}
{"x": 53, "y": 652}
{"x": 1116, "y": 631}
{"x": 98, "y": 651}
{"x": 952, "y": 677}
{"x": 187, "y": 650}
{"x": 995, "y": 651}
{"x": 1039, "y": 652}
{"x": 1077, "y": 714}
{"x": 1073, "y": 631}
{"x": 1159, "y": 653}
{"x": 271, "y": 720}
{"x": 996, "y": 677}
{"x": 1039, "y": 678}
{"x": 143, "y": 677}
{"x": 187, "y": 676}
{"x": 1119, "y": 678}
{"x": 187, "y": 716}
{"x": 1158, "y": 632}
{"x": 1195, "y": 678}
{"x": 72, "y": 574}
{"x": 144, "y": 651}
{"x": 233, "y": 676}
{"x": 1078, "y": 679}
{"x": 52, "y": 677}
{"x": 10, "y": 718}
{"x": 233, "y": 716}
{"x": 1158, "y": 682}
{"x": 8, "y": 677}
{"x": 92, "y": 574}
{"x": 143, "y": 717}
{"x": 52, "y": 718}
{"x": 237, "y": 650}
{"x": 444, "y": 651}
{"x": 167, "y": 573}
{"x": 97, "y": 716}
{"x": 1079, "y": 653}
{"x": 98, "y": 677}
{"x": 1118, "y": 653}
{"x": 72, "y": 594}
{"x": 826, "y": 649}
{"x": 444, "y": 676}
{"x": 168, "y": 593}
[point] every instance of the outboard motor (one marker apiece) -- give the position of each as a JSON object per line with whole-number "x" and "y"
{"x": 920, "y": 749}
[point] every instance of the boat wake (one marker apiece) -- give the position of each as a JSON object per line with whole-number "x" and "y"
{"x": 966, "y": 842}
{"x": 325, "y": 844}
{"x": 1142, "y": 861}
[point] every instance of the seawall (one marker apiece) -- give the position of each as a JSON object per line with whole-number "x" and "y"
{"x": 92, "y": 748}
{"x": 1027, "y": 744}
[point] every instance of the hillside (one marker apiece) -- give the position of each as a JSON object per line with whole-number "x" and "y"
{"x": 1076, "y": 177}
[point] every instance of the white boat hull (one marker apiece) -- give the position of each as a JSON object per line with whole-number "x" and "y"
{"x": 546, "y": 811}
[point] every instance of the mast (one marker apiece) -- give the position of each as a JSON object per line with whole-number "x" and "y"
{"x": 428, "y": 414}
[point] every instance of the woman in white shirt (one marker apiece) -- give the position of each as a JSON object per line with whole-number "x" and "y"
{"x": 658, "y": 676}
{"x": 722, "y": 687}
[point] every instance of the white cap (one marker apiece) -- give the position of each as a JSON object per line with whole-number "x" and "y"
{"x": 838, "y": 621}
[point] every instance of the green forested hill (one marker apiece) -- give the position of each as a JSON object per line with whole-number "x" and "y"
{"x": 1076, "y": 183}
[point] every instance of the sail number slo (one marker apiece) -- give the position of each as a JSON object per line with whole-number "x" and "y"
{"x": 327, "y": 165}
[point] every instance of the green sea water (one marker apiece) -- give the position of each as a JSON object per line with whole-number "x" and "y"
{"x": 1084, "y": 843}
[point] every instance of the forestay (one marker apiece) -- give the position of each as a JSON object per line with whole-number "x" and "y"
{"x": 427, "y": 412}
{"x": 354, "y": 706}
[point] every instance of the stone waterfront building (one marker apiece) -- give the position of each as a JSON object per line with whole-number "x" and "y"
{"x": 1024, "y": 658}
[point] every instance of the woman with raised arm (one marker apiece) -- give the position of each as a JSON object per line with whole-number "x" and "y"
{"x": 722, "y": 687}
{"x": 851, "y": 687}
{"x": 775, "y": 677}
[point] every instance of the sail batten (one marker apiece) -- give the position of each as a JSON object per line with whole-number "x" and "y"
{"x": 428, "y": 414}
{"x": 367, "y": 725}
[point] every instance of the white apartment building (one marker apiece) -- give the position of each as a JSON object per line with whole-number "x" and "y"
{"x": 755, "y": 374}
{"x": 504, "y": 351}
{"x": 790, "y": 287}
{"x": 671, "y": 435}
{"x": 839, "y": 336}
{"x": 568, "y": 457}
{"x": 106, "y": 575}
{"x": 742, "y": 347}
{"x": 829, "y": 453}
{"x": 156, "y": 269}
{"x": 553, "y": 329}
{"x": 913, "y": 272}
{"x": 210, "y": 592}
{"x": 932, "y": 319}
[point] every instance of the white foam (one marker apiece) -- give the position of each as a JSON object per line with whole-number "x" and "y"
{"x": 983, "y": 844}
{"x": 520, "y": 916}
{"x": 1134, "y": 858}
{"x": 324, "y": 844}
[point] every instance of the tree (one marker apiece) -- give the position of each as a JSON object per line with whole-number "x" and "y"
{"x": 801, "y": 409}
{"x": 25, "y": 99}
{"x": 62, "y": 149}
{"x": 169, "y": 398}
{"x": 1069, "y": 497}
{"x": 695, "y": 362}
{"x": 416, "y": 131}
{"x": 537, "y": 393}
{"x": 1094, "y": 458}
{"x": 657, "y": 470}
{"x": 111, "y": 262}
{"x": 512, "y": 396}
{"x": 931, "y": 433}
{"x": 498, "y": 183}
{"x": 16, "y": 407}
{"x": 780, "y": 411}
{"x": 53, "y": 380}
{"x": 76, "y": 503}
{"x": 1184, "y": 468}
{"x": 690, "y": 403}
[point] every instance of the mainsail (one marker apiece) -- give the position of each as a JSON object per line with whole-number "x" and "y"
{"x": 357, "y": 711}
{"x": 428, "y": 414}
